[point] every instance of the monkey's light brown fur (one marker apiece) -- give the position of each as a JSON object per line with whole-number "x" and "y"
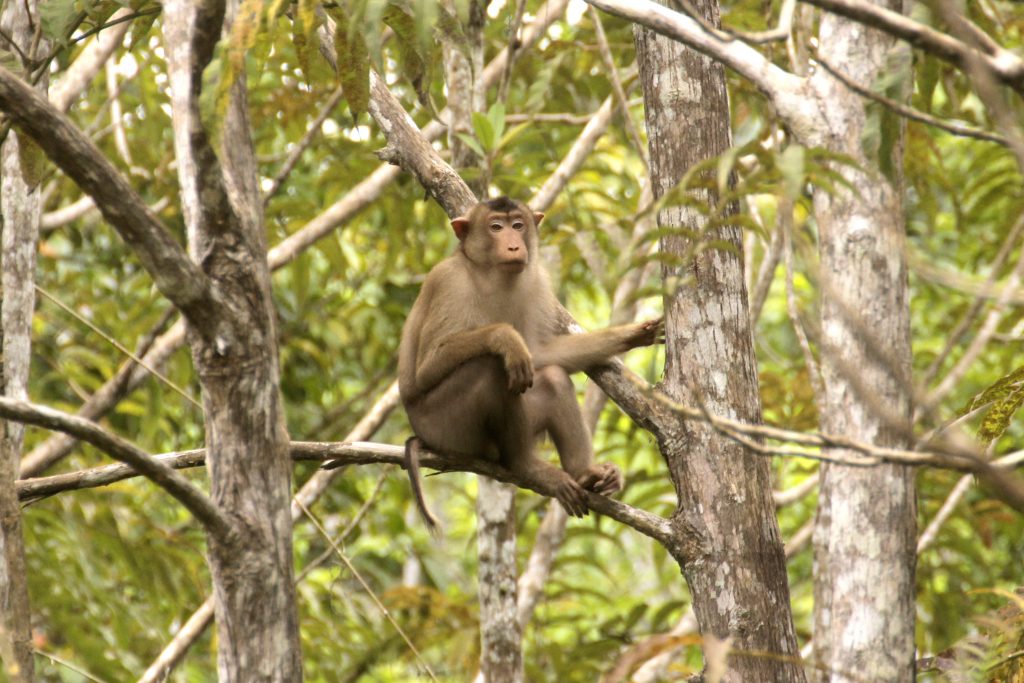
{"x": 482, "y": 371}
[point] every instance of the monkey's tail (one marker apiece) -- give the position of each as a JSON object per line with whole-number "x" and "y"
{"x": 412, "y": 466}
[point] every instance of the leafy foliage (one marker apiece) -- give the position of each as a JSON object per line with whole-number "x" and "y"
{"x": 114, "y": 572}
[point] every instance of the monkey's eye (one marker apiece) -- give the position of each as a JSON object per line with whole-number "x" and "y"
{"x": 518, "y": 225}
{"x": 496, "y": 227}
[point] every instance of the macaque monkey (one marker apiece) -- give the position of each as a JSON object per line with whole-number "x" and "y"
{"x": 482, "y": 370}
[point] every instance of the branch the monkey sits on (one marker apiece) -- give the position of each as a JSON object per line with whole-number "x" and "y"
{"x": 482, "y": 370}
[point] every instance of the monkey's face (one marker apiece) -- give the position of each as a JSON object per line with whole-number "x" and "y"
{"x": 509, "y": 245}
{"x": 501, "y": 238}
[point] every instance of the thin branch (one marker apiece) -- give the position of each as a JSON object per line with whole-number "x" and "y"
{"x": 120, "y": 17}
{"x": 931, "y": 532}
{"x": 302, "y": 145}
{"x": 909, "y": 112}
{"x": 1008, "y": 488}
{"x": 187, "y": 493}
{"x": 766, "y": 274}
{"x": 784, "y": 89}
{"x": 581, "y": 148}
{"x": 620, "y": 93}
{"x": 175, "y": 650}
{"x": 1004, "y": 65}
{"x": 566, "y": 118}
{"x": 512, "y": 50}
{"x": 120, "y": 347}
{"x": 980, "y": 341}
{"x": 971, "y": 314}
{"x": 408, "y": 148}
{"x": 369, "y": 591}
{"x": 175, "y": 275}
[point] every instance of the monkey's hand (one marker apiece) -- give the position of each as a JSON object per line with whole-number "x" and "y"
{"x": 604, "y": 479}
{"x": 570, "y": 495}
{"x": 509, "y": 345}
{"x": 643, "y": 334}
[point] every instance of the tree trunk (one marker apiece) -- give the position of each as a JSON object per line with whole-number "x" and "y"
{"x": 864, "y": 541}
{"x": 246, "y": 437}
{"x": 19, "y": 233}
{"x": 729, "y": 546}
{"x": 501, "y": 646}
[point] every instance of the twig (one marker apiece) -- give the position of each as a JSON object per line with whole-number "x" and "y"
{"x": 369, "y": 591}
{"x": 620, "y": 93}
{"x": 307, "y": 139}
{"x": 187, "y": 493}
{"x": 968, "y": 318}
{"x": 910, "y": 112}
{"x": 119, "y": 346}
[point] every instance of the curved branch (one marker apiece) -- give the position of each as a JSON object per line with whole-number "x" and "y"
{"x": 154, "y": 469}
{"x": 783, "y": 88}
{"x": 175, "y": 275}
{"x": 339, "y": 455}
{"x": 1004, "y": 65}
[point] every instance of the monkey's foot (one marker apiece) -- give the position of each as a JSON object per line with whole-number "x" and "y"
{"x": 604, "y": 479}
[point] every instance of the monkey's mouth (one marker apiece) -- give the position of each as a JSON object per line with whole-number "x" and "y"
{"x": 513, "y": 266}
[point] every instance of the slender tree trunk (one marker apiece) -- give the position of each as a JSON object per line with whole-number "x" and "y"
{"x": 20, "y": 165}
{"x": 246, "y": 437}
{"x": 501, "y": 649}
{"x": 864, "y": 541}
{"x": 729, "y": 545}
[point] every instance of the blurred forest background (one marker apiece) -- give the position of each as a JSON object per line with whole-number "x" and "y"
{"x": 114, "y": 572}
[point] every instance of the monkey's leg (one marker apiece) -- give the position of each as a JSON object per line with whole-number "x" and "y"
{"x": 553, "y": 408}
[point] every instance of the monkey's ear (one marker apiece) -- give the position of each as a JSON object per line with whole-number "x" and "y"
{"x": 537, "y": 217}
{"x": 461, "y": 226}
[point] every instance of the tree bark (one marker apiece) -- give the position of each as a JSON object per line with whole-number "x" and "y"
{"x": 864, "y": 541}
{"x": 19, "y": 234}
{"x": 246, "y": 437}
{"x": 728, "y": 542}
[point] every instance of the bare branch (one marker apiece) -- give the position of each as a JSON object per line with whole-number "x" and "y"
{"x": 909, "y": 112}
{"x": 175, "y": 275}
{"x": 784, "y": 89}
{"x": 1004, "y": 65}
{"x": 620, "y": 93}
{"x": 79, "y": 74}
{"x": 302, "y": 145}
{"x": 409, "y": 149}
{"x": 187, "y": 493}
{"x": 581, "y": 149}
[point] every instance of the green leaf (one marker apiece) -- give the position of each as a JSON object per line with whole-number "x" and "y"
{"x": 472, "y": 144}
{"x": 484, "y": 130}
{"x": 415, "y": 63}
{"x": 791, "y": 166}
{"x": 353, "y": 64}
{"x": 882, "y": 126}
{"x": 33, "y": 161}
{"x": 304, "y": 26}
{"x": 1004, "y": 398}
{"x": 57, "y": 17}
{"x": 496, "y": 117}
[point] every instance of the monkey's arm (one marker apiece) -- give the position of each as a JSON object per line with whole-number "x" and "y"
{"x": 452, "y": 351}
{"x": 576, "y": 352}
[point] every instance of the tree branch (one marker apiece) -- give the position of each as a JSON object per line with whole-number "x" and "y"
{"x": 156, "y": 470}
{"x": 175, "y": 275}
{"x": 1004, "y": 65}
{"x": 782, "y": 88}
{"x": 408, "y": 148}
